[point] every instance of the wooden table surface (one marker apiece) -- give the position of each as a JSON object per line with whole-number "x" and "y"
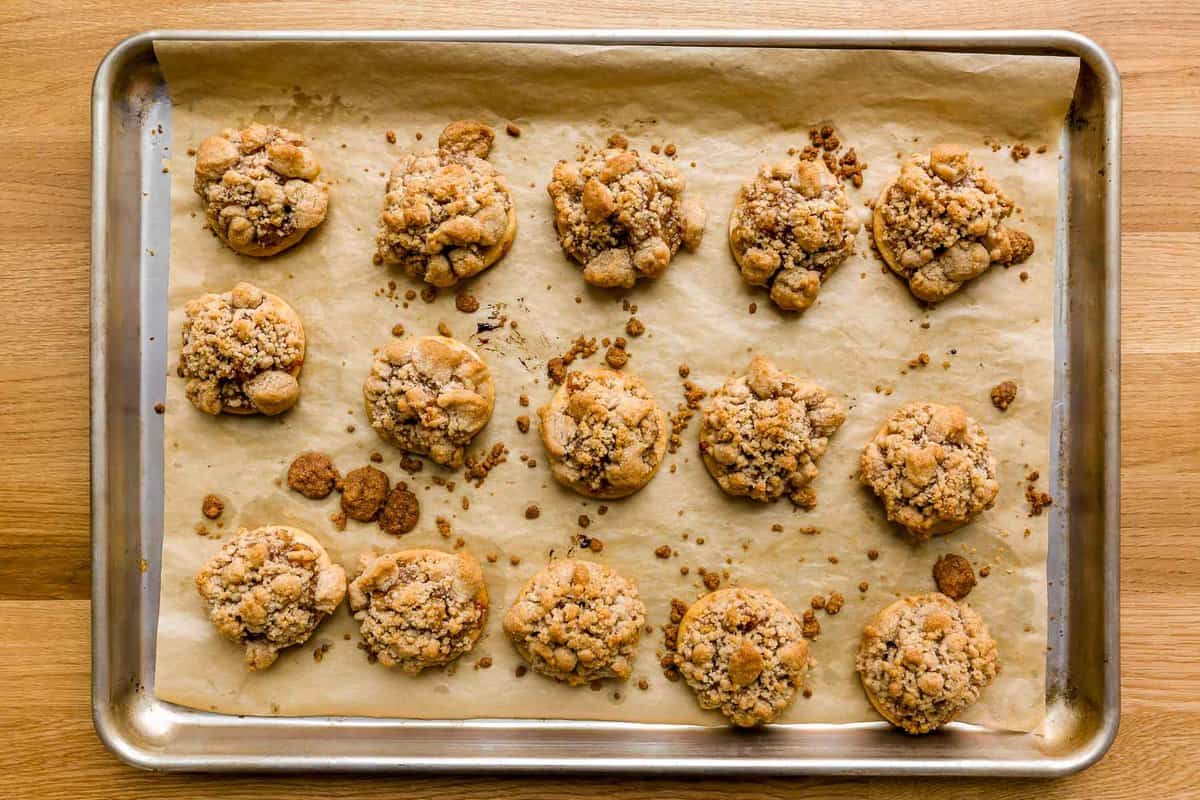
{"x": 48, "y": 52}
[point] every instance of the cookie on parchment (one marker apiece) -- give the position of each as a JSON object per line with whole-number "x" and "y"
{"x": 925, "y": 659}
{"x": 577, "y": 621}
{"x": 242, "y": 352}
{"x": 260, "y": 188}
{"x": 268, "y": 589}
{"x": 448, "y": 214}
{"x": 742, "y": 651}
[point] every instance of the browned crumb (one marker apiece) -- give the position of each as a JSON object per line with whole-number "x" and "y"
{"x": 712, "y": 581}
{"x": 411, "y": 464}
{"x": 863, "y": 586}
{"x": 523, "y": 400}
{"x": 682, "y": 416}
{"x": 1019, "y": 151}
{"x": 753, "y": 307}
{"x": 201, "y": 529}
{"x": 616, "y": 357}
{"x": 985, "y": 571}
{"x": 478, "y": 466}
{"x": 953, "y": 575}
{"x": 1041, "y": 148}
{"x": 663, "y": 551}
{"x": 338, "y": 518}
{"x": 512, "y": 130}
{"x": 459, "y": 543}
{"x": 1038, "y": 500}
{"x": 410, "y": 294}
{"x": 872, "y": 554}
{"x": 634, "y": 327}
{"x": 492, "y": 558}
{"x": 582, "y": 347}
{"x": 350, "y": 429}
{"x": 643, "y": 684}
{"x": 429, "y": 294}
{"x": 595, "y": 545}
{"x": 444, "y": 330}
{"x": 921, "y": 360}
{"x": 532, "y": 511}
{"x": 1024, "y": 276}
{"x": 523, "y": 423}
{"x": 833, "y": 559}
{"x": 602, "y": 510}
{"x": 835, "y": 602}
{"x": 212, "y": 507}
{"x": 684, "y": 370}
{"x": 159, "y": 408}
{"x": 400, "y": 511}
{"x": 390, "y": 135}
{"x": 397, "y": 329}
{"x": 376, "y": 456}
{"x": 810, "y": 626}
{"x": 466, "y": 303}
{"x": 320, "y": 650}
{"x": 485, "y": 662}
{"x": 521, "y": 671}
{"x": 312, "y": 475}
{"x": 443, "y": 527}
{"x": 817, "y": 602}
{"x": 1003, "y": 394}
{"x": 364, "y": 491}
{"x": 514, "y": 560}
{"x": 584, "y": 520}
{"x": 810, "y": 530}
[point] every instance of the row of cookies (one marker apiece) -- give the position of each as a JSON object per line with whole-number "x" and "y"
{"x": 605, "y": 436}
{"x": 922, "y": 660}
{"x": 448, "y": 214}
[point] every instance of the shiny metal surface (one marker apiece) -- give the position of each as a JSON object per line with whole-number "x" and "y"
{"x": 130, "y": 237}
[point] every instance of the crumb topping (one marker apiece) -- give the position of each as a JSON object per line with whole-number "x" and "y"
{"x": 242, "y": 351}
{"x": 260, "y": 189}
{"x": 941, "y": 223}
{"x": 419, "y": 608}
{"x": 429, "y": 395}
{"x": 448, "y": 214}
{"x": 576, "y": 621}
{"x": 932, "y": 467}
{"x": 268, "y": 589}
{"x": 924, "y": 659}
{"x": 762, "y": 434}
{"x": 742, "y": 651}
{"x": 622, "y": 215}
{"x": 604, "y": 433}
{"x": 789, "y": 230}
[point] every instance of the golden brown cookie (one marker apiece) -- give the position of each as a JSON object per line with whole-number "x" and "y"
{"x": 742, "y": 651}
{"x": 429, "y": 395}
{"x": 790, "y": 228}
{"x": 932, "y": 467}
{"x": 576, "y": 621}
{"x": 762, "y": 433}
{"x": 269, "y": 588}
{"x": 448, "y": 214}
{"x": 623, "y": 215}
{"x": 604, "y": 434}
{"x": 242, "y": 352}
{"x": 941, "y": 223}
{"x": 419, "y": 608}
{"x": 924, "y": 660}
{"x": 260, "y": 188}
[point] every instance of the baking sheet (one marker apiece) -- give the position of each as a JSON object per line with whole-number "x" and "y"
{"x": 728, "y": 110}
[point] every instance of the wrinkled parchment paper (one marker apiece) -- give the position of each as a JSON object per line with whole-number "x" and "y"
{"x": 726, "y": 110}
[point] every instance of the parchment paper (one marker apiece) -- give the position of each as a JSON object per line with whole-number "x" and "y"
{"x": 727, "y": 110}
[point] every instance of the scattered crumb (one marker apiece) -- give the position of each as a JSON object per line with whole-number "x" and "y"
{"x": 512, "y": 130}
{"x": 1019, "y": 152}
{"x": 582, "y": 347}
{"x": 532, "y": 511}
{"x": 444, "y": 330}
{"x": 663, "y": 551}
{"x": 477, "y": 466}
{"x": 313, "y": 475}
{"x": 485, "y": 662}
{"x": 810, "y": 627}
{"x": 411, "y": 464}
{"x": 159, "y": 408}
{"x": 684, "y": 370}
{"x": 835, "y": 602}
{"x": 376, "y": 456}
{"x": 514, "y": 560}
{"x": 863, "y": 586}
{"x": 1024, "y": 276}
{"x": 634, "y": 327}
{"x": 212, "y": 507}
{"x": 616, "y": 357}
{"x": 523, "y": 400}
{"x": 466, "y": 303}
{"x": 985, "y": 571}
{"x": 523, "y": 423}
{"x": 921, "y": 360}
{"x": 872, "y": 554}
{"x": 584, "y": 520}
{"x": 712, "y": 580}
{"x": 1003, "y": 394}
{"x": 320, "y": 651}
{"x": 338, "y": 518}
{"x": 953, "y": 575}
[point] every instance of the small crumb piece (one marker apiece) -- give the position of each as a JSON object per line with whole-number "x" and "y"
{"x": 397, "y": 329}
{"x": 532, "y": 511}
{"x": 212, "y": 507}
{"x": 670, "y": 149}
{"x": 712, "y": 581}
{"x": 1024, "y": 276}
{"x": 523, "y": 423}
{"x": 684, "y": 570}
{"x": 872, "y": 554}
{"x": 663, "y": 551}
{"x": 514, "y": 560}
{"x": 809, "y": 530}
{"x": 411, "y": 464}
{"x": 320, "y": 651}
{"x": 466, "y": 303}
{"x": 201, "y": 529}
{"x": 634, "y": 327}
{"x": 921, "y": 360}
{"x": 523, "y": 400}
{"x": 390, "y": 135}
{"x": 817, "y": 602}
{"x": 833, "y": 559}
{"x": 159, "y": 408}
{"x": 777, "y": 528}
{"x": 429, "y": 294}
{"x": 521, "y": 671}
{"x": 835, "y": 602}
{"x": 643, "y": 684}
{"x": 1003, "y": 394}
{"x": 1041, "y": 148}
{"x": 863, "y": 586}
{"x": 376, "y": 456}
{"x": 512, "y": 130}
{"x": 584, "y": 520}
{"x": 484, "y": 662}
{"x": 338, "y": 518}
{"x": 985, "y": 571}
{"x": 443, "y": 527}
{"x": 810, "y": 627}
{"x": 684, "y": 370}
{"x": 1019, "y": 152}
{"x": 595, "y": 545}
{"x": 753, "y": 308}
{"x": 616, "y": 357}
{"x": 444, "y": 330}
{"x": 492, "y": 558}
{"x": 602, "y": 510}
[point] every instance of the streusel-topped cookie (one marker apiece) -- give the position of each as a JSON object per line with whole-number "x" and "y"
{"x": 269, "y": 588}
{"x": 242, "y": 352}
{"x": 448, "y": 214}
{"x": 604, "y": 434}
{"x": 622, "y": 214}
{"x": 790, "y": 229}
{"x": 742, "y": 651}
{"x": 924, "y": 660}
{"x": 429, "y": 395}
{"x": 762, "y": 433}
{"x": 932, "y": 467}
{"x": 941, "y": 223}
{"x": 419, "y": 608}
{"x": 576, "y": 621}
{"x": 260, "y": 188}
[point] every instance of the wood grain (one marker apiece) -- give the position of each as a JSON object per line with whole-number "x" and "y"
{"x": 48, "y": 52}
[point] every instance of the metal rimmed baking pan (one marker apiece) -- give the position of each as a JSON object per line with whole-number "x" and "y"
{"x": 130, "y": 237}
